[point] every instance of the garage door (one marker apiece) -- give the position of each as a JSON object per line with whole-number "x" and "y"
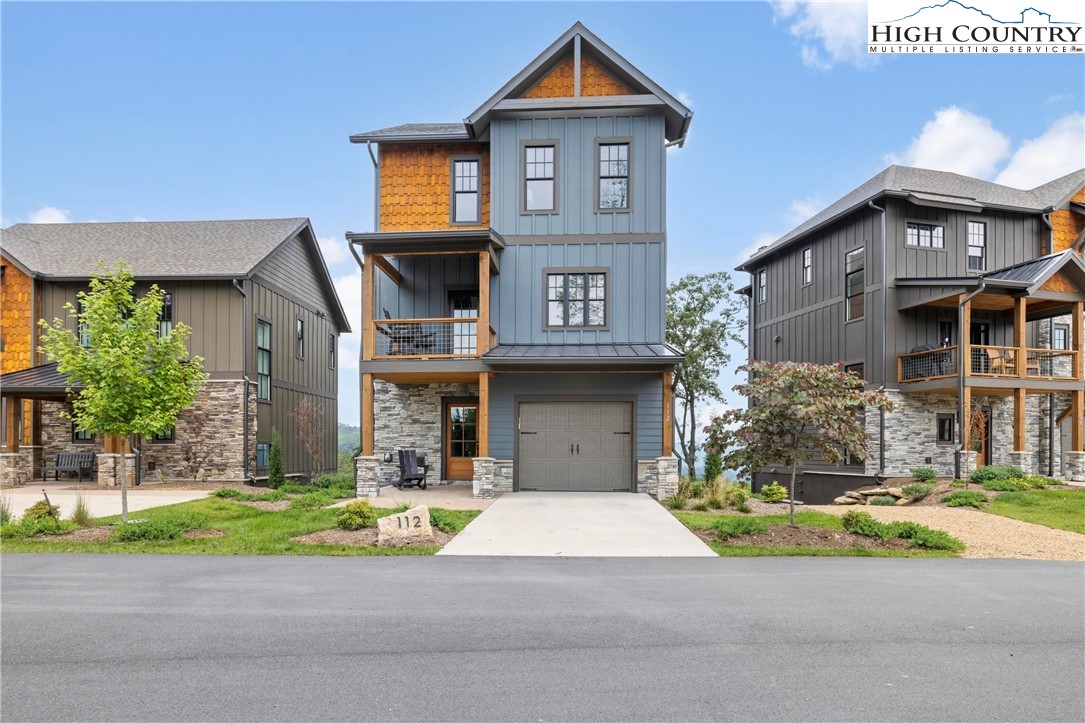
{"x": 576, "y": 446}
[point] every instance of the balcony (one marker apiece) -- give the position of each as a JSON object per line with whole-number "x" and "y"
{"x": 991, "y": 362}
{"x": 451, "y": 338}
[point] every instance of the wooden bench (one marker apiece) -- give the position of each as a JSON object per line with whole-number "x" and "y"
{"x": 79, "y": 463}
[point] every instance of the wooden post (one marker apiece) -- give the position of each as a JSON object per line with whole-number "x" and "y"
{"x": 12, "y": 410}
{"x": 1019, "y": 420}
{"x": 484, "y": 414}
{"x": 1077, "y": 420}
{"x": 966, "y": 420}
{"x": 668, "y": 415}
{"x": 966, "y": 338}
{"x": 367, "y": 415}
{"x": 1078, "y": 344}
{"x": 369, "y": 310}
{"x": 483, "y": 343}
{"x": 1019, "y": 342}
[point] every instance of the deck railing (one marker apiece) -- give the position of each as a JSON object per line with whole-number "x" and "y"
{"x": 427, "y": 338}
{"x": 932, "y": 364}
{"x": 1050, "y": 363}
{"x": 986, "y": 360}
{"x": 994, "y": 361}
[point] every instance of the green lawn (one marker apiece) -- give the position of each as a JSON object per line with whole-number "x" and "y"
{"x": 249, "y": 531}
{"x": 704, "y": 521}
{"x": 1060, "y": 509}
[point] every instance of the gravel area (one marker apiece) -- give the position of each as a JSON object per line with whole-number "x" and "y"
{"x": 987, "y": 536}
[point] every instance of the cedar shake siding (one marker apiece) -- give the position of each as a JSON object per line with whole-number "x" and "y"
{"x": 416, "y": 185}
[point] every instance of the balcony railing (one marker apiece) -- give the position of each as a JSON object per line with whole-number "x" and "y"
{"x": 427, "y": 338}
{"x": 994, "y": 361}
{"x": 1050, "y": 363}
{"x": 923, "y": 365}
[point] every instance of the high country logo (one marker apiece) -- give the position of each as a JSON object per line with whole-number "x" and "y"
{"x": 976, "y": 26}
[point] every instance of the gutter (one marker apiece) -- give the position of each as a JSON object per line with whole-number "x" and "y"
{"x": 239, "y": 284}
{"x": 361, "y": 355}
{"x": 376, "y": 187}
{"x": 961, "y": 331}
{"x": 885, "y": 372}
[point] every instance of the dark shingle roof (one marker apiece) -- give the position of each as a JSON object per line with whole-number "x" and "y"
{"x": 902, "y": 180}
{"x": 414, "y": 131}
{"x": 153, "y": 249}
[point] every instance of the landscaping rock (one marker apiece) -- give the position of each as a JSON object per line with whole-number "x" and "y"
{"x": 854, "y": 495}
{"x": 846, "y": 501}
{"x": 406, "y": 528}
{"x": 872, "y": 491}
{"x": 894, "y": 491}
{"x": 903, "y": 501}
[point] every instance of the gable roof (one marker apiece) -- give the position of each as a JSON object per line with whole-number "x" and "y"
{"x": 926, "y": 187}
{"x": 509, "y": 98}
{"x": 1033, "y": 274}
{"x": 162, "y": 250}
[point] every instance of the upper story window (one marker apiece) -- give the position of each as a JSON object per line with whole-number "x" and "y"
{"x": 84, "y": 328}
{"x": 540, "y": 172}
{"x": 165, "y": 317}
{"x": 263, "y": 360}
{"x": 977, "y": 246}
{"x": 331, "y": 351}
{"x": 299, "y": 334}
{"x": 926, "y": 235}
{"x": 854, "y": 286}
{"x": 613, "y": 180}
{"x": 466, "y": 198}
{"x": 576, "y": 299}
{"x": 1060, "y": 337}
{"x": 807, "y": 266}
{"x": 762, "y": 286}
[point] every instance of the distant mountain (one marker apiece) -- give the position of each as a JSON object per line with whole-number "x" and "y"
{"x": 1041, "y": 17}
{"x": 349, "y": 437}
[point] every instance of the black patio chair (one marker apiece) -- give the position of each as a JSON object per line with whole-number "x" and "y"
{"x": 405, "y": 339}
{"x": 411, "y": 473}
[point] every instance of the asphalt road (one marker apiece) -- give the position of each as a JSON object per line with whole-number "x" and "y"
{"x": 157, "y": 638}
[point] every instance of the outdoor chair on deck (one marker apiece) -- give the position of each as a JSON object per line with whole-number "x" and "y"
{"x": 411, "y": 473}
{"x": 405, "y": 339}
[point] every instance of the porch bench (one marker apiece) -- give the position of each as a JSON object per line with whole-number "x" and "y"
{"x": 78, "y": 463}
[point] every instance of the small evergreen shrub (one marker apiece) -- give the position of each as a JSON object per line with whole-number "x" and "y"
{"x": 713, "y": 466}
{"x": 312, "y": 501}
{"x": 356, "y": 516}
{"x": 957, "y": 483}
{"x": 861, "y": 523}
{"x": 28, "y": 527}
{"x": 917, "y": 490}
{"x": 276, "y": 471}
{"x": 773, "y": 492}
{"x": 1004, "y": 485}
{"x": 737, "y": 526}
{"x": 995, "y": 472}
{"x": 157, "y": 529}
{"x": 235, "y": 494}
{"x": 41, "y": 509}
{"x": 924, "y": 474}
{"x": 882, "y": 500}
{"x": 737, "y": 496}
{"x": 965, "y": 498}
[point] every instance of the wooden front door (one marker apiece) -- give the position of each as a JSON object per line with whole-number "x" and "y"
{"x": 461, "y": 439}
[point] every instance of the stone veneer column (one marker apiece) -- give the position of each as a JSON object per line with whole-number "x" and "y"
{"x": 1023, "y": 460}
{"x": 107, "y": 470}
{"x": 666, "y": 477}
{"x": 34, "y": 455}
{"x": 1074, "y": 465}
{"x": 482, "y": 483}
{"x": 368, "y": 472}
{"x": 13, "y": 468}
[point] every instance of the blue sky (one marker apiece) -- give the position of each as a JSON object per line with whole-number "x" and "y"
{"x": 115, "y": 112}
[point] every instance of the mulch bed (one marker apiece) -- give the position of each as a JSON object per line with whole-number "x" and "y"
{"x": 757, "y": 507}
{"x": 101, "y": 534}
{"x": 366, "y": 537}
{"x": 788, "y": 536}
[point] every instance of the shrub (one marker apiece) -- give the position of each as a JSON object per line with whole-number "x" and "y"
{"x": 881, "y": 500}
{"x": 737, "y": 526}
{"x": 235, "y": 494}
{"x": 676, "y": 502}
{"x": 690, "y": 487}
{"x": 924, "y": 474}
{"x": 229, "y": 493}
{"x": 963, "y": 498}
{"x": 329, "y": 481}
{"x": 773, "y": 492}
{"x": 5, "y": 508}
{"x": 957, "y": 483}
{"x": 276, "y": 474}
{"x": 356, "y": 516}
{"x": 444, "y": 521}
{"x": 715, "y": 503}
{"x": 312, "y": 501}
{"x": 28, "y": 527}
{"x": 1004, "y": 485}
{"x": 917, "y": 490}
{"x": 861, "y": 523}
{"x": 995, "y": 472}
{"x": 1038, "y": 482}
{"x": 713, "y": 466}
{"x": 167, "y": 527}
{"x": 701, "y": 507}
{"x": 81, "y": 511}
{"x": 41, "y": 509}
{"x": 346, "y": 464}
{"x": 737, "y": 496}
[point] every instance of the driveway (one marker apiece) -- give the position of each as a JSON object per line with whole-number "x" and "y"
{"x": 577, "y": 524}
{"x": 101, "y": 502}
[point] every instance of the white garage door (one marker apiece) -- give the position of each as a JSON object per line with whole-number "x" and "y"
{"x": 576, "y": 446}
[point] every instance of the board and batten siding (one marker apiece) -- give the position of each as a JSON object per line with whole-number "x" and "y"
{"x": 423, "y": 294}
{"x": 636, "y": 288}
{"x": 211, "y": 308}
{"x": 293, "y": 271}
{"x": 647, "y": 388}
{"x": 576, "y": 175}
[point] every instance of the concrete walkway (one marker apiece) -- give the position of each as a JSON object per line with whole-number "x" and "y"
{"x": 577, "y": 524}
{"x": 102, "y": 502}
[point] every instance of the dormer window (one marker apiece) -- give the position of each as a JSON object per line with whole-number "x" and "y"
{"x": 466, "y": 199}
{"x": 540, "y": 173}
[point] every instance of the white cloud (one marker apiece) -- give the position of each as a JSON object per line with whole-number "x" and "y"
{"x": 349, "y": 288}
{"x": 1060, "y": 150}
{"x": 1058, "y": 97}
{"x": 49, "y": 214}
{"x": 803, "y": 208}
{"x": 334, "y": 250}
{"x": 762, "y": 239}
{"x": 139, "y": 219}
{"x": 957, "y": 141}
{"x": 684, "y": 99}
{"x": 831, "y": 33}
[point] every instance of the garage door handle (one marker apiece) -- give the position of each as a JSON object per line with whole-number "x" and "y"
{"x": 623, "y": 433}
{"x": 578, "y": 449}
{"x": 528, "y": 432}
{"x": 570, "y": 449}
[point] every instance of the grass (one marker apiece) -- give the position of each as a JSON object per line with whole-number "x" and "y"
{"x": 1058, "y": 509}
{"x": 249, "y": 531}
{"x": 695, "y": 521}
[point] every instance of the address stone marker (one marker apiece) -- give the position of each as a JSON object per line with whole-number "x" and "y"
{"x": 405, "y": 528}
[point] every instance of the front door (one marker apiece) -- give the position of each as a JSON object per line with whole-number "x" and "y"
{"x": 464, "y": 305}
{"x": 461, "y": 439}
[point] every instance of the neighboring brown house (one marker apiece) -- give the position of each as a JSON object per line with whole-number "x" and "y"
{"x": 264, "y": 315}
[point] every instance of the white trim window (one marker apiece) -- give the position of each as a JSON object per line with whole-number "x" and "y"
{"x": 465, "y": 191}
{"x": 540, "y": 178}
{"x": 613, "y": 176}
{"x": 762, "y": 286}
{"x": 977, "y": 246}
{"x": 807, "y": 266}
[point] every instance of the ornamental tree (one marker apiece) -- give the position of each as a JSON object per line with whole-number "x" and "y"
{"x": 795, "y": 411}
{"x": 135, "y": 379}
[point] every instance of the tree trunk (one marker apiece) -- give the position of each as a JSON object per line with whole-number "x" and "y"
{"x": 124, "y": 481}
{"x": 791, "y": 494}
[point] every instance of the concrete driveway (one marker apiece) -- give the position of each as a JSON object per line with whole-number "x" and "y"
{"x": 101, "y": 502}
{"x": 577, "y": 524}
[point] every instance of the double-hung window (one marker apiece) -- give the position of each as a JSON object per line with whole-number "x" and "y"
{"x": 762, "y": 286}
{"x": 854, "y": 285}
{"x": 466, "y": 206}
{"x": 977, "y": 246}
{"x": 945, "y": 428}
{"x": 540, "y": 178}
{"x": 84, "y": 328}
{"x": 165, "y": 317}
{"x": 926, "y": 235}
{"x": 331, "y": 351}
{"x": 299, "y": 334}
{"x": 263, "y": 360}
{"x": 613, "y": 188}
{"x": 807, "y": 266}
{"x": 1060, "y": 337}
{"x": 576, "y": 299}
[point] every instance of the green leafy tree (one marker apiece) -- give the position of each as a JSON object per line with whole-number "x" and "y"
{"x": 276, "y": 471}
{"x": 134, "y": 378}
{"x": 713, "y": 466}
{"x": 795, "y": 411}
{"x": 703, "y": 316}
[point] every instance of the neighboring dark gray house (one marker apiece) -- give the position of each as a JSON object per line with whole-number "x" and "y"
{"x": 908, "y": 275}
{"x": 264, "y": 315}
{"x": 513, "y": 291}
